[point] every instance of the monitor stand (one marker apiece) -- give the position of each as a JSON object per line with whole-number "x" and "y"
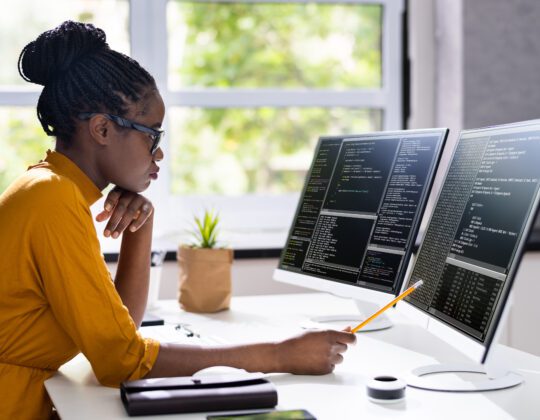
{"x": 432, "y": 377}
{"x": 365, "y": 309}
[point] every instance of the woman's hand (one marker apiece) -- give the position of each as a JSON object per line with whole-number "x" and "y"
{"x": 125, "y": 210}
{"x": 314, "y": 352}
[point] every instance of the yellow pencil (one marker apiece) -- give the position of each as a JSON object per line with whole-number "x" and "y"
{"x": 380, "y": 311}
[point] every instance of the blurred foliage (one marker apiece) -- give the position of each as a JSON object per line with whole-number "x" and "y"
{"x": 257, "y": 45}
{"x": 22, "y": 142}
{"x": 253, "y": 150}
{"x": 222, "y": 45}
{"x": 275, "y": 45}
{"x": 22, "y": 21}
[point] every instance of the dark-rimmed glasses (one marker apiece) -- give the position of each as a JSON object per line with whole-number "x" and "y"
{"x": 155, "y": 135}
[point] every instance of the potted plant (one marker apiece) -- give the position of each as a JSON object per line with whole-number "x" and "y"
{"x": 205, "y": 269}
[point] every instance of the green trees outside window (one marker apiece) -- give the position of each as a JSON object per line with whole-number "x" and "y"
{"x": 272, "y": 45}
{"x": 222, "y": 150}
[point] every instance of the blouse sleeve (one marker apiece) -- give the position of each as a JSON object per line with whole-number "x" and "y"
{"x": 81, "y": 294}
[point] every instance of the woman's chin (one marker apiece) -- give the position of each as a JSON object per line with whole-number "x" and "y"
{"x": 136, "y": 188}
{"x": 144, "y": 187}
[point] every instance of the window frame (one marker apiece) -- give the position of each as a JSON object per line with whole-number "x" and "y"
{"x": 252, "y": 212}
{"x": 258, "y": 212}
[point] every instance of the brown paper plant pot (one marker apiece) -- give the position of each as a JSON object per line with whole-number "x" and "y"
{"x": 205, "y": 278}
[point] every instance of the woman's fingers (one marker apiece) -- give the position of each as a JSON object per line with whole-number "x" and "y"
{"x": 113, "y": 197}
{"x": 340, "y": 348}
{"x": 314, "y": 352}
{"x": 124, "y": 213}
{"x": 136, "y": 212}
{"x": 116, "y": 216}
{"x": 142, "y": 216}
{"x": 336, "y": 359}
{"x": 110, "y": 203}
{"x": 344, "y": 337}
{"x": 126, "y": 210}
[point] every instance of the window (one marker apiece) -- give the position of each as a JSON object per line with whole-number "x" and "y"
{"x": 22, "y": 140}
{"x": 249, "y": 86}
{"x": 252, "y": 150}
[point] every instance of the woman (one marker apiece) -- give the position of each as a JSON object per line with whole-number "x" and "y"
{"x": 56, "y": 295}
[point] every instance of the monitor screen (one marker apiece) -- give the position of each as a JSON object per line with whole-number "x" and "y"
{"x": 478, "y": 228}
{"x": 361, "y": 206}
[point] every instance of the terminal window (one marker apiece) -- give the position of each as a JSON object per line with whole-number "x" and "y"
{"x": 473, "y": 235}
{"x": 357, "y": 215}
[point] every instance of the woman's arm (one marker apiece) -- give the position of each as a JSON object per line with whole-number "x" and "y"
{"x": 132, "y": 274}
{"x": 315, "y": 352}
{"x": 311, "y": 353}
{"x": 131, "y": 215}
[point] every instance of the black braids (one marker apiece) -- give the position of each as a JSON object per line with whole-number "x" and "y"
{"x": 59, "y": 108}
{"x": 49, "y": 114}
{"x": 80, "y": 73}
{"x": 124, "y": 87}
{"x": 98, "y": 88}
{"x": 75, "y": 77}
{"x": 114, "y": 74}
{"x": 19, "y": 62}
{"x": 136, "y": 73}
{"x": 116, "y": 104}
{"x": 80, "y": 91}
{"x": 87, "y": 79}
{"x": 42, "y": 119}
{"x": 64, "y": 103}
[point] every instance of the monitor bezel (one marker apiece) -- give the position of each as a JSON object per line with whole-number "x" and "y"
{"x": 342, "y": 288}
{"x": 473, "y": 349}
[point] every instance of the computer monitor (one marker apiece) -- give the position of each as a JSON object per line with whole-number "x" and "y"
{"x": 473, "y": 245}
{"x": 358, "y": 216}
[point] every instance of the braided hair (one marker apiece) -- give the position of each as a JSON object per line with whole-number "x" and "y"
{"x": 80, "y": 73}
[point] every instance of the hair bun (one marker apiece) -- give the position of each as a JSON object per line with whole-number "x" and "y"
{"x": 55, "y": 51}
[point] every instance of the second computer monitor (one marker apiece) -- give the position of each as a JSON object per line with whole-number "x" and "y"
{"x": 477, "y": 234}
{"x": 359, "y": 212}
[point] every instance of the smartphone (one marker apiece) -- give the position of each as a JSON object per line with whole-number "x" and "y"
{"x": 149, "y": 320}
{"x": 269, "y": 415}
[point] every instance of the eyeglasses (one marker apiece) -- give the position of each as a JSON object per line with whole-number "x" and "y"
{"x": 155, "y": 135}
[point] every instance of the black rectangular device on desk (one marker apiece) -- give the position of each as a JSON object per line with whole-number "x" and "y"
{"x": 189, "y": 394}
{"x": 151, "y": 320}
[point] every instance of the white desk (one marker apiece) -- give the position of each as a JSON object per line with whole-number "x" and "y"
{"x": 340, "y": 395}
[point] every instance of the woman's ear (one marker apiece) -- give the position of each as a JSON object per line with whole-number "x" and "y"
{"x": 99, "y": 127}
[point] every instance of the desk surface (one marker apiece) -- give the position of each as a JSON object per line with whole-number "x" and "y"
{"x": 340, "y": 395}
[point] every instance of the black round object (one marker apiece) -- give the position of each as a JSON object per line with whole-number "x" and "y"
{"x": 386, "y": 389}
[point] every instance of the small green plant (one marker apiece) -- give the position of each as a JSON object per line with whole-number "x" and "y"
{"x": 205, "y": 232}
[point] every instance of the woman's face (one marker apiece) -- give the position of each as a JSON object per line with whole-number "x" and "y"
{"x": 128, "y": 162}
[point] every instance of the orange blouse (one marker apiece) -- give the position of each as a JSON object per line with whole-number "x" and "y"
{"x": 57, "y": 297}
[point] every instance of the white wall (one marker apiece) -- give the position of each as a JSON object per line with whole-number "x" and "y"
{"x": 473, "y": 62}
{"x": 249, "y": 277}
